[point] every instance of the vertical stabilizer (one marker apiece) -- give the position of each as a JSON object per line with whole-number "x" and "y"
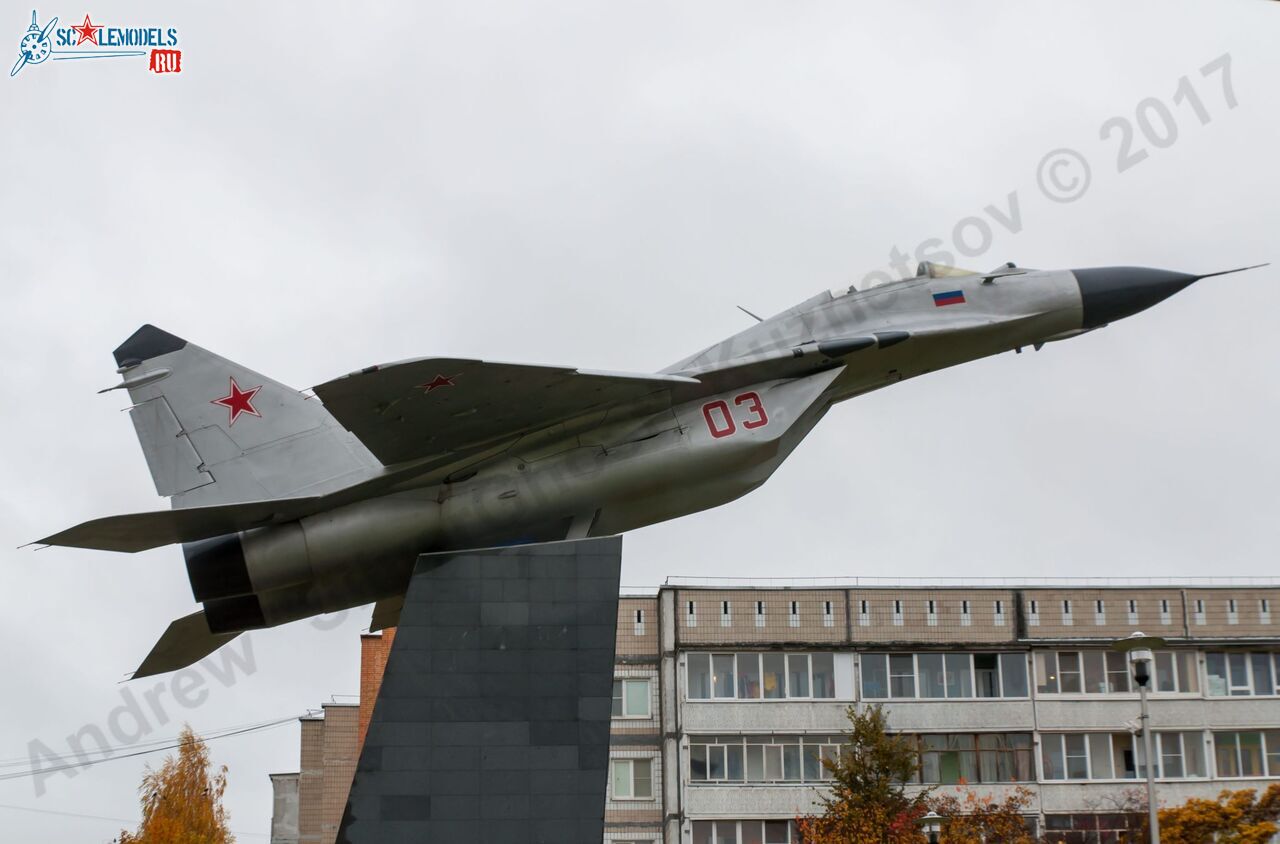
{"x": 215, "y": 432}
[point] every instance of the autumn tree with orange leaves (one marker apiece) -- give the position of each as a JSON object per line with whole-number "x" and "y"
{"x": 969, "y": 818}
{"x": 1236, "y": 817}
{"x": 869, "y": 803}
{"x": 182, "y": 802}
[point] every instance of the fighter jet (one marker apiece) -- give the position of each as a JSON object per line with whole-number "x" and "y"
{"x": 288, "y": 504}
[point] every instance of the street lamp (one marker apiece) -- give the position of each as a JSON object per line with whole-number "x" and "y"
{"x": 1141, "y": 651}
{"x": 931, "y": 825}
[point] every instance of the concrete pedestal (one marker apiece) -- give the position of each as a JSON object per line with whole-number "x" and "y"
{"x": 492, "y": 723}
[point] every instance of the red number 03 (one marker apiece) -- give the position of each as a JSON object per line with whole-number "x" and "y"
{"x": 720, "y": 420}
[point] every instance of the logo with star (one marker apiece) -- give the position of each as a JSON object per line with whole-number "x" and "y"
{"x": 238, "y": 401}
{"x": 87, "y": 31}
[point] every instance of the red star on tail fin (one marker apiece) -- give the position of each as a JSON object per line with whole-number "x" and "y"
{"x": 238, "y": 401}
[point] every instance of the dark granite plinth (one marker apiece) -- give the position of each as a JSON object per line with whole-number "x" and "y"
{"x": 492, "y": 724}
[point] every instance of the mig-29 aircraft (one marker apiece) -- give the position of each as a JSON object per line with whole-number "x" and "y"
{"x": 288, "y": 505}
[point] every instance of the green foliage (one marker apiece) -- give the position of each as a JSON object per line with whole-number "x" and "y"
{"x": 868, "y": 803}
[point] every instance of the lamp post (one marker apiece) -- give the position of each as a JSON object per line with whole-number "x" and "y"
{"x": 1142, "y": 658}
{"x": 931, "y": 825}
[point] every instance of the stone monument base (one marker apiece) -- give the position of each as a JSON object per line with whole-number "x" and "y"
{"x": 492, "y": 723}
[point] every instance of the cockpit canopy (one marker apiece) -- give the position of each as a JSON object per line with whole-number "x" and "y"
{"x": 931, "y": 269}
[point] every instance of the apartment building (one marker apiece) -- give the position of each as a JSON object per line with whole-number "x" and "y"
{"x": 727, "y": 699}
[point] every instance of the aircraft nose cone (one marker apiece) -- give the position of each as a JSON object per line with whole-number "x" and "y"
{"x": 1112, "y": 293}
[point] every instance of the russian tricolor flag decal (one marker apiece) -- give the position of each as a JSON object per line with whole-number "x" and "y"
{"x": 951, "y": 297}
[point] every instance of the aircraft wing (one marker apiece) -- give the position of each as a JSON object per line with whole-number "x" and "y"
{"x": 429, "y": 406}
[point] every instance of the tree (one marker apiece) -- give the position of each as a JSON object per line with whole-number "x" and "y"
{"x": 181, "y": 802}
{"x": 1236, "y": 817}
{"x": 973, "y": 819}
{"x": 868, "y": 803}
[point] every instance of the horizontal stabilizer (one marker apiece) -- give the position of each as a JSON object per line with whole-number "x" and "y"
{"x": 429, "y": 406}
{"x": 187, "y": 641}
{"x": 141, "y": 531}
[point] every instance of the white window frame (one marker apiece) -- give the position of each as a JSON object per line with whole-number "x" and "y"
{"x": 1135, "y": 747}
{"x": 631, "y": 764}
{"x": 773, "y": 758}
{"x": 718, "y": 823}
{"x": 759, "y": 655}
{"x": 915, "y": 667}
{"x": 620, "y": 685}
{"x": 1250, "y": 689}
{"x": 1269, "y": 771}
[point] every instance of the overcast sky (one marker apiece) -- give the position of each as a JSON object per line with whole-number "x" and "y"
{"x": 327, "y": 186}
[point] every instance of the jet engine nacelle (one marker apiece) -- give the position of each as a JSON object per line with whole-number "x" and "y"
{"x": 271, "y": 575}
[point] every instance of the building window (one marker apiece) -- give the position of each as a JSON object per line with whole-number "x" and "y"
{"x": 726, "y": 615}
{"x": 943, "y": 675}
{"x": 966, "y": 618}
{"x": 761, "y": 759}
{"x": 1165, "y": 617}
{"x": 1133, "y": 611}
{"x": 1114, "y": 756}
{"x": 1233, "y": 617}
{"x": 691, "y": 615}
{"x": 1177, "y": 672}
{"x": 1099, "y": 612}
{"x": 1199, "y": 611}
{"x": 1239, "y": 674}
{"x": 897, "y": 613}
{"x": 759, "y": 613}
{"x": 630, "y": 698}
{"x": 794, "y": 619}
{"x": 955, "y": 758}
{"x": 1033, "y": 613}
{"x": 761, "y": 676}
{"x": 1107, "y": 672}
{"x": 864, "y": 615}
{"x": 1081, "y": 672}
{"x": 1067, "y": 619}
{"x": 1253, "y": 753}
{"x": 1264, "y": 610}
{"x": 639, "y": 623}
{"x": 999, "y": 619}
{"x": 745, "y": 832}
{"x": 632, "y": 779}
{"x": 828, "y": 615}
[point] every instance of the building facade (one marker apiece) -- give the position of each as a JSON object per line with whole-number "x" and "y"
{"x": 727, "y": 700}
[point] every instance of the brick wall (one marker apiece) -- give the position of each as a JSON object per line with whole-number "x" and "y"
{"x": 374, "y": 650}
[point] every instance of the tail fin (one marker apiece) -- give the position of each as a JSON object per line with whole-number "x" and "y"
{"x": 215, "y": 432}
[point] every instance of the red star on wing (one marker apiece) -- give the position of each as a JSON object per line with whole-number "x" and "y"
{"x": 87, "y": 32}
{"x": 438, "y": 382}
{"x": 238, "y": 401}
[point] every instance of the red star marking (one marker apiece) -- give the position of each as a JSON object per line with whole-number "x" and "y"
{"x": 437, "y": 382}
{"x": 87, "y": 32}
{"x": 238, "y": 401}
